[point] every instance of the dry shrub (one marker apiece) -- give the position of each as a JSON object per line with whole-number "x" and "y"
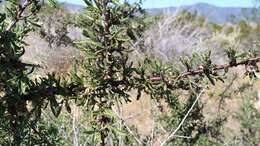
{"x": 184, "y": 33}
{"x": 51, "y": 59}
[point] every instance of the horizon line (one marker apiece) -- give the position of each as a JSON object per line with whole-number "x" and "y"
{"x": 181, "y": 5}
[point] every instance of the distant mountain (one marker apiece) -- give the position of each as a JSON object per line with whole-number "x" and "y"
{"x": 73, "y": 8}
{"x": 211, "y": 12}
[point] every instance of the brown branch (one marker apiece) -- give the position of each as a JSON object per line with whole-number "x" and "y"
{"x": 194, "y": 72}
{"x": 19, "y": 11}
{"x": 249, "y": 61}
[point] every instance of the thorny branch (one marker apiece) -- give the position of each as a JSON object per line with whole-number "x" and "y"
{"x": 200, "y": 70}
{"x": 249, "y": 61}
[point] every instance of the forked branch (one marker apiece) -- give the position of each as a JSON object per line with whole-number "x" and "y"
{"x": 19, "y": 11}
{"x": 172, "y": 134}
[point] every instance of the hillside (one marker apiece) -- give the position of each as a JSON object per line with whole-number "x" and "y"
{"x": 213, "y": 13}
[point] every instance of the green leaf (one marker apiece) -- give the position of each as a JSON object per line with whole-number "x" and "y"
{"x": 67, "y": 105}
{"x": 88, "y": 2}
{"x": 55, "y": 107}
{"x": 139, "y": 94}
{"x": 2, "y": 17}
{"x": 53, "y": 2}
{"x": 33, "y": 23}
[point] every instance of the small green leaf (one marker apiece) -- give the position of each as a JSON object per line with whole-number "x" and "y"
{"x": 55, "y": 107}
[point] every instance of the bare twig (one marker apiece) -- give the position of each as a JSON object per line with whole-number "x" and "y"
{"x": 128, "y": 129}
{"x": 135, "y": 115}
{"x": 75, "y": 127}
{"x": 120, "y": 111}
{"x": 222, "y": 95}
{"x": 183, "y": 120}
{"x": 184, "y": 137}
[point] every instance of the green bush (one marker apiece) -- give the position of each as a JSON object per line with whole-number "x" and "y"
{"x": 102, "y": 82}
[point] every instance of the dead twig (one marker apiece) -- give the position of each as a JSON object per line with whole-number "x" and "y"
{"x": 172, "y": 134}
{"x": 128, "y": 129}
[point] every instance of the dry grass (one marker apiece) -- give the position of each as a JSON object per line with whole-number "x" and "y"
{"x": 51, "y": 59}
{"x": 142, "y": 113}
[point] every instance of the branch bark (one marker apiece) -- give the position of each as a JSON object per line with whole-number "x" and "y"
{"x": 222, "y": 67}
{"x": 198, "y": 71}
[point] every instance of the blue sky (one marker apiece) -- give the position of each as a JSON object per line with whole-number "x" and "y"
{"x": 168, "y": 3}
